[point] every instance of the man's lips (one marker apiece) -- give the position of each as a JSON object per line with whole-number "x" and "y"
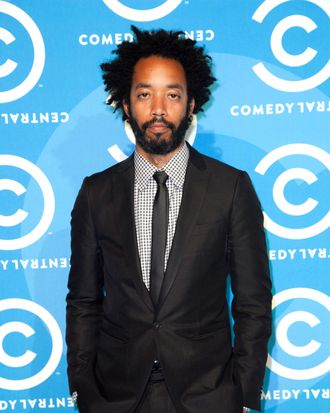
{"x": 158, "y": 127}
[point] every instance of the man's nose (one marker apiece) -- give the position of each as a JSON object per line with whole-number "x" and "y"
{"x": 158, "y": 106}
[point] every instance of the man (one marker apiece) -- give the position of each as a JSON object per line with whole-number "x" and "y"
{"x": 153, "y": 239}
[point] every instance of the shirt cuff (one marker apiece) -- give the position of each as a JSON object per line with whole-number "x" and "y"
{"x": 74, "y": 397}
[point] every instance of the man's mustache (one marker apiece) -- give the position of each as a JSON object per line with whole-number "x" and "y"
{"x": 159, "y": 120}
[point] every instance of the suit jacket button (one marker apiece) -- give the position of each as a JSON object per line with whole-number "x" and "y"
{"x": 156, "y": 325}
{"x": 156, "y": 365}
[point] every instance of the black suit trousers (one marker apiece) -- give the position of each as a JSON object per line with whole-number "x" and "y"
{"x": 156, "y": 399}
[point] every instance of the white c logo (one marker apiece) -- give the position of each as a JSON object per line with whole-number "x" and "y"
{"x": 142, "y": 15}
{"x": 280, "y": 184}
{"x": 39, "y": 53}
{"x": 9, "y": 66}
{"x": 282, "y": 334}
{"x": 19, "y": 216}
{"x": 286, "y": 58}
{"x": 304, "y": 350}
{"x": 18, "y": 361}
{"x": 29, "y": 356}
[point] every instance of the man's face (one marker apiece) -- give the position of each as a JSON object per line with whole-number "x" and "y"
{"x": 158, "y": 110}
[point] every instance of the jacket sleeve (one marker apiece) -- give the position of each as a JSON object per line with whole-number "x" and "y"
{"x": 251, "y": 287}
{"x": 84, "y": 300}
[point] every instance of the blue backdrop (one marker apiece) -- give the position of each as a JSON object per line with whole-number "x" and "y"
{"x": 269, "y": 115}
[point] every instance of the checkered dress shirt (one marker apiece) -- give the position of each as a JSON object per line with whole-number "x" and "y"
{"x": 145, "y": 188}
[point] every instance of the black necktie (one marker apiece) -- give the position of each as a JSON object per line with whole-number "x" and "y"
{"x": 159, "y": 235}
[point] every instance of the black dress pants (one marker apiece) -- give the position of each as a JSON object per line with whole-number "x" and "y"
{"x": 156, "y": 399}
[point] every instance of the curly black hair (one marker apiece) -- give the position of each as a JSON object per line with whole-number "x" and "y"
{"x": 118, "y": 73}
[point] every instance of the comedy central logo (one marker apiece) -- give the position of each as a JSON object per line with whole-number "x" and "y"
{"x": 11, "y": 219}
{"x": 142, "y": 15}
{"x": 283, "y": 56}
{"x": 31, "y": 344}
{"x": 10, "y": 66}
{"x": 284, "y": 198}
{"x": 300, "y": 351}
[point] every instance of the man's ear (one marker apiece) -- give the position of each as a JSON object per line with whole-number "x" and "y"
{"x": 191, "y": 106}
{"x": 126, "y": 108}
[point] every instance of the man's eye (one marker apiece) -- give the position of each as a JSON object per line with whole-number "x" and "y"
{"x": 143, "y": 95}
{"x": 174, "y": 96}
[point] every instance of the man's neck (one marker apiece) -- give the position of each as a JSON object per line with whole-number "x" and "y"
{"x": 158, "y": 160}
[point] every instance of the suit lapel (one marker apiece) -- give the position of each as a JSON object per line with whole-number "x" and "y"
{"x": 194, "y": 191}
{"x": 124, "y": 190}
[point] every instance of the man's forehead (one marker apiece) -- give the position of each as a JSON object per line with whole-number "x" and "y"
{"x": 158, "y": 66}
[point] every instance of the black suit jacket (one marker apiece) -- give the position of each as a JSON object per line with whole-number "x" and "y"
{"x": 113, "y": 330}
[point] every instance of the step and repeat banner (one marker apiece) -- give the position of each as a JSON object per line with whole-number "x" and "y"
{"x": 269, "y": 115}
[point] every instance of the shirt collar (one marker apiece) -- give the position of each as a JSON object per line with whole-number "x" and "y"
{"x": 175, "y": 168}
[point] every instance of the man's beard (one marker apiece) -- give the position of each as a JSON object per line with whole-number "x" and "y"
{"x": 157, "y": 145}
